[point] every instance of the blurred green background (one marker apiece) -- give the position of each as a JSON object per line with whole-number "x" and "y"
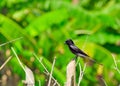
{"x": 94, "y": 25}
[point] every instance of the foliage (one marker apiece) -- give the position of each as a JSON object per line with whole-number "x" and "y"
{"x": 46, "y": 24}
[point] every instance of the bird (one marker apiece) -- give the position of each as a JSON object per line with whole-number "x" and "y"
{"x": 76, "y": 51}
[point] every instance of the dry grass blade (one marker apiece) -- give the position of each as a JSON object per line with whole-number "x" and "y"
{"x": 51, "y": 72}
{"x": 104, "y": 82}
{"x": 22, "y": 65}
{"x": 10, "y": 41}
{"x": 54, "y": 84}
{"x": 40, "y": 61}
{"x": 81, "y": 73}
{"x": 116, "y": 66}
{"x": 5, "y": 62}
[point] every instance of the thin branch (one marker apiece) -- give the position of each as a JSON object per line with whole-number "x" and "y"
{"x": 10, "y": 41}
{"x": 104, "y": 82}
{"x": 52, "y": 78}
{"x": 5, "y": 62}
{"x": 84, "y": 67}
{"x": 40, "y": 61}
{"x": 21, "y": 63}
{"x": 116, "y": 67}
{"x": 81, "y": 73}
{"x": 54, "y": 83}
{"x": 51, "y": 72}
{"x": 80, "y": 70}
{"x": 46, "y": 73}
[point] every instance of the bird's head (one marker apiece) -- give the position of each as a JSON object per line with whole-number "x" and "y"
{"x": 69, "y": 42}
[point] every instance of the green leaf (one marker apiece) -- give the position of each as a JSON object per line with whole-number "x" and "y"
{"x": 12, "y": 30}
{"x": 47, "y": 21}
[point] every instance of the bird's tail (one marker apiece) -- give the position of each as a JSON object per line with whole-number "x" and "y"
{"x": 92, "y": 60}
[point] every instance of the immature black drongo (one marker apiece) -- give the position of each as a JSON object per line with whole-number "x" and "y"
{"x": 75, "y": 50}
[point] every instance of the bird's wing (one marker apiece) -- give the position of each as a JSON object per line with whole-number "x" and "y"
{"x": 78, "y": 51}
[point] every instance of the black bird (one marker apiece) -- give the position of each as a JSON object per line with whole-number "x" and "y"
{"x": 75, "y": 50}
